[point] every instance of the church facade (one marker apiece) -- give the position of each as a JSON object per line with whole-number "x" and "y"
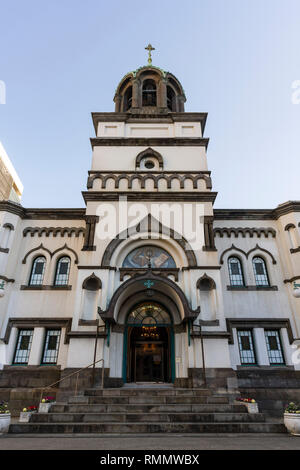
{"x": 149, "y": 276}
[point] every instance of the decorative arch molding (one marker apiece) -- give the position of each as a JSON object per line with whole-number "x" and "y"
{"x": 54, "y": 231}
{"x": 148, "y": 222}
{"x": 63, "y": 248}
{"x": 257, "y": 247}
{"x": 42, "y": 247}
{"x": 144, "y": 283}
{"x": 9, "y": 226}
{"x": 289, "y": 226}
{"x": 38, "y": 248}
{"x": 236, "y": 231}
{"x": 92, "y": 283}
{"x": 149, "y": 152}
{"x": 143, "y": 176}
{"x": 232, "y": 248}
{"x": 205, "y": 279}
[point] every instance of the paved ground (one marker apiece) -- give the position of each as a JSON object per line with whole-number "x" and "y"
{"x": 151, "y": 442}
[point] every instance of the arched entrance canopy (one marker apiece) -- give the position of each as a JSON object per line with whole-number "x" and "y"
{"x": 148, "y": 285}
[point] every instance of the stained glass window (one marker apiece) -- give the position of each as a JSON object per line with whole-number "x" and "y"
{"x": 246, "y": 347}
{"x": 140, "y": 258}
{"x": 62, "y": 271}
{"x": 274, "y": 347}
{"x": 149, "y": 314}
{"x": 37, "y": 272}
{"x": 235, "y": 272}
{"x": 51, "y": 347}
{"x": 23, "y": 347}
{"x": 260, "y": 272}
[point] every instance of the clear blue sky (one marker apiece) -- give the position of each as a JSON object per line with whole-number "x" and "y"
{"x": 236, "y": 59}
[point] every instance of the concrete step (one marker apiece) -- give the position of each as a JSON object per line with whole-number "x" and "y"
{"x": 143, "y": 392}
{"x": 150, "y": 408}
{"x": 124, "y": 428}
{"x": 146, "y": 418}
{"x": 183, "y": 399}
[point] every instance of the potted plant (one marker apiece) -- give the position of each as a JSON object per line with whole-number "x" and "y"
{"x": 46, "y": 404}
{"x": 5, "y": 417}
{"x": 251, "y": 404}
{"x": 26, "y": 413}
{"x": 291, "y": 418}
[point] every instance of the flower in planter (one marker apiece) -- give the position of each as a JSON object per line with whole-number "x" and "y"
{"x": 30, "y": 409}
{"x": 48, "y": 399}
{"x": 292, "y": 408}
{"x": 4, "y": 408}
{"x": 246, "y": 400}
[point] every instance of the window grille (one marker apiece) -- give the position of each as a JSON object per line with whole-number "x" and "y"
{"x": 274, "y": 347}
{"x": 62, "y": 271}
{"x": 260, "y": 272}
{"x": 246, "y": 347}
{"x": 23, "y": 346}
{"x": 51, "y": 347}
{"x": 235, "y": 272}
{"x": 37, "y": 272}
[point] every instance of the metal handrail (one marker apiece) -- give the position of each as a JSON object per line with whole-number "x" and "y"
{"x": 75, "y": 373}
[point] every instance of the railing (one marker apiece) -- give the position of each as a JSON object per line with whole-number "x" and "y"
{"x": 77, "y": 375}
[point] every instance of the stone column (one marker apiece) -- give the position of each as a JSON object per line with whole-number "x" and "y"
{"x": 209, "y": 239}
{"x": 136, "y": 94}
{"x": 89, "y": 238}
{"x": 260, "y": 347}
{"x": 35, "y": 356}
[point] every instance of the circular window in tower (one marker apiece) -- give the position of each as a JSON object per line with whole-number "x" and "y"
{"x": 149, "y": 164}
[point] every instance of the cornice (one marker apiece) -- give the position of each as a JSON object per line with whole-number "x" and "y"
{"x": 149, "y": 118}
{"x": 41, "y": 213}
{"x": 149, "y": 141}
{"x": 257, "y": 214}
{"x": 162, "y": 196}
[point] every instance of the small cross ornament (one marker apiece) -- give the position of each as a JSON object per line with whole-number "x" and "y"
{"x": 148, "y": 283}
{"x": 149, "y": 48}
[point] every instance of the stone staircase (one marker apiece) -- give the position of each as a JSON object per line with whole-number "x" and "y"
{"x": 147, "y": 410}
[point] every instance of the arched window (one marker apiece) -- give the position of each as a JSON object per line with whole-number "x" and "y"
{"x": 149, "y": 93}
{"x": 148, "y": 313}
{"x": 127, "y": 99}
{"x": 171, "y": 103}
{"x": 235, "y": 272}
{"x": 62, "y": 271}
{"x": 37, "y": 271}
{"x": 260, "y": 272}
{"x": 142, "y": 256}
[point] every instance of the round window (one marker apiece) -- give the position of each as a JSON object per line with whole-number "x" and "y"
{"x": 149, "y": 164}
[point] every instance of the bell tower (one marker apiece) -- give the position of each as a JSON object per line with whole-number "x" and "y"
{"x": 149, "y": 90}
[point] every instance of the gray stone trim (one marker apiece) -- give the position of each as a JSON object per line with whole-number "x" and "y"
{"x": 268, "y": 323}
{"x": 96, "y": 284}
{"x": 205, "y": 277}
{"x": 289, "y": 226}
{"x": 149, "y": 142}
{"x": 292, "y": 279}
{"x": 249, "y": 288}
{"x": 187, "y": 268}
{"x": 295, "y": 250}
{"x": 243, "y": 231}
{"x": 54, "y": 231}
{"x": 42, "y": 247}
{"x": 143, "y": 176}
{"x": 85, "y": 334}
{"x": 257, "y": 247}
{"x": 171, "y": 196}
{"x": 45, "y": 287}
{"x": 4, "y": 250}
{"x": 149, "y": 223}
{"x": 10, "y": 226}
{"x": 45, "y": 214}
{"x": 31, "y": 322}
{"x": 6, "y": 279}
{"x": 257, "y": 214}
{"x": 132, "y": 272}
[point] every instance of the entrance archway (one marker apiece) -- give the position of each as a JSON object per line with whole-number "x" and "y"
{"x": 148, "y": 344}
